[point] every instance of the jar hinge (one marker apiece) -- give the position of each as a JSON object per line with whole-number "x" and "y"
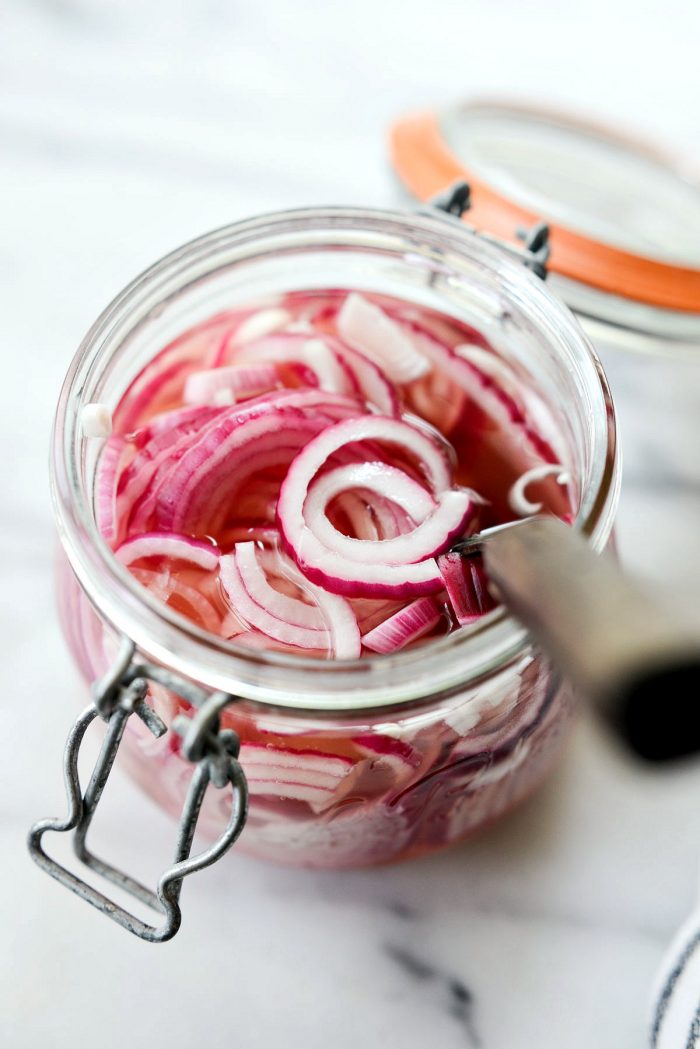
{"x": 214, "y": 752}
{"x": 456, "y": 201}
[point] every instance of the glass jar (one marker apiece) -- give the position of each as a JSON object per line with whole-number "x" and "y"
{"x": 348, "y": 762}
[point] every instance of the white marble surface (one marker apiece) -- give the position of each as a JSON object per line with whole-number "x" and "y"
{"x": 126, "y": 128}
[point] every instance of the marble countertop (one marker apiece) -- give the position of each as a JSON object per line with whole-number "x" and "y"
{"x": 126, "y": 129}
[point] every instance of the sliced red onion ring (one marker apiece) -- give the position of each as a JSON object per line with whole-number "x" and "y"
{"x": 302, "y": 775}
{"x": 467, "y": 587}
{"x": 173, "y": 421}
{"x": 397, "y": 754}
{"x": 333, "y": 374}
{"x": 111, "y": 462}
{"x": 244, "y": 587}
{"x": 435, "y": 532}
{"x": 336, "y": 366}
{"x": 230, "y": 384}
{"x": 360, "y": 518}
{"x": 167, "y": 587}
{"x": 337, "y": 615}
{"x": 290, "y": 610}
{"x": 371, "y": 613}
{"x": 381, "y": 478}
{"x": 488, "y": 363}
{"x": 155, "y": 456}
{"x": 159, "y": 385}
{"x": 517, "y": 499}
{"x": 405, "y": 626}
{"x": 483, "y": 388}
{"x": 260, "y": 323}
{"x": 369, "y": 516}
{"x": 206, "y": 465}
{"x": 367, "y": 328}
{"x": 164, "y": 544}
{"x": 374, "y": 386}
{"x": 262, "y": 618}
{"x": 263, "y": 643}
{"x": 426, "y": 448}
{"x": 337, "y": 572}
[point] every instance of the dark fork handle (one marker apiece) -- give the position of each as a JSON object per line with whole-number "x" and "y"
{"x": 619, "y": 644}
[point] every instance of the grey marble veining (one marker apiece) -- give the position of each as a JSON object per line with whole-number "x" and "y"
{"x": 126, "y": 129}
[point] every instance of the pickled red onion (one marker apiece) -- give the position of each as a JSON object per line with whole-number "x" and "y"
{"x": 237, "y": 381}
{"x": 366, "y": 327}
{"x": 408, "y": 567}
{"x": 466, "y": 585}
{"x": 164, "y": 544}
{"x": 405, "y": 626}
{"x": 284, "y": 618}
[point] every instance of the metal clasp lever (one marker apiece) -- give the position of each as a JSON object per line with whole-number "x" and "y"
{"x": 456, "y": 201}
{"x": 119, "y": 695}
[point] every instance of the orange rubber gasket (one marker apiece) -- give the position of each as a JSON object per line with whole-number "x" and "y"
{"x": 426, "y": 165}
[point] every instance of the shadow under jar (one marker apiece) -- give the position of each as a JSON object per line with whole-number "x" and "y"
{"x": 369, "y": 760}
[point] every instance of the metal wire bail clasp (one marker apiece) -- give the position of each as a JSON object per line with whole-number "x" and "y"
{"x": 456, "y": 200}
{"x": 214, "y": 753}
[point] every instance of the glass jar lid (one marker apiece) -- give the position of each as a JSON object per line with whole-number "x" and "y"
{"x": 624, "y": 219}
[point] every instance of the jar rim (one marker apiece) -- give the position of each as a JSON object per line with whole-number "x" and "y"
{"x": 272, "y": 678}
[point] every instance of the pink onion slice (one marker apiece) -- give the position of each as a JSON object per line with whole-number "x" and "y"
{"x": 333, "y": 374}
{"x": 374, "y": 386}
{"x": 166, "y": 587}
{"x": 418, "y": 442}
{"x": 259, "y": 617}
{"x": 334, "y": 364}
{"x": 352, "y": 580}
{"x": 467, "y": 587}
{"x": 309, "y": 776}
{"x": 489, "y": 363}
{"x": 246, "y": 324}
{"x": 329, "y": 568}
{"x": 327, "y": 367}
{"x": 112, "y": 457}
{"x": 338, "y": 576}
{"x": 517, "y": 499}
{"x": 370, "y": 517}
{"x": 159, "y": 385}
{"x": 264, "y": 643}
{"x": 367, "y": 328}
{"x": 259, "y": 323}
{"x": 484, "y": 387}
{"x": 275, "y": 613}
{"x": 153, "y": 458}
{"x": 206, "y": 505}
{"x": 371, "y": 612}
{"x": 360, "y": 517}
{"x": 288, "y": 609}
{"x": 228, "y": 385}
{"x": 397, "y": 754}
{"x": 380, "y": 478}
{"x": 405, "y": 626}
{"x": 171, "y": 545}
{"x": 436, "y": 530}
{"x": 206, "y": 464}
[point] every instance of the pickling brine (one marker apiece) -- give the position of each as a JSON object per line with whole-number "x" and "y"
{"x": 293, "y": 477}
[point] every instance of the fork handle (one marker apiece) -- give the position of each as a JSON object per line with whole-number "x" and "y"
{"x": 622, "y": 646}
